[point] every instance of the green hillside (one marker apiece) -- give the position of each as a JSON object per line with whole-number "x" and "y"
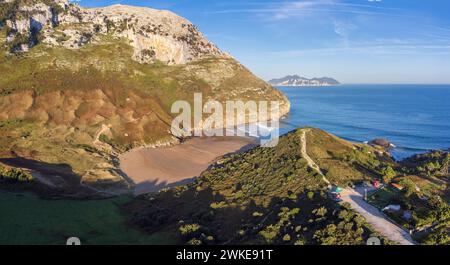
{"x": 266, "y": 195}
{"x": 77, "y": 106}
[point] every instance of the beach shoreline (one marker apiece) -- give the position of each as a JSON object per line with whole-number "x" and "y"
{"x": 154, "y": 169}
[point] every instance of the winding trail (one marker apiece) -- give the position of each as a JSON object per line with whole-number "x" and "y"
{"x": 355, "y": 198}
{"x": 311, "y": 162}
{"x": 99, "y": 144}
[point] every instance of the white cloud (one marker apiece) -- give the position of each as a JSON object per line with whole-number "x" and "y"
{"x": 344, "y": 29}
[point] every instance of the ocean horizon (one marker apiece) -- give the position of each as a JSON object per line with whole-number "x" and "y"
{"x": 414, "y": 117}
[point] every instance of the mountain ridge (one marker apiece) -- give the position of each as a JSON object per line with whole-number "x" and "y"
{"x": 296, "y": 80}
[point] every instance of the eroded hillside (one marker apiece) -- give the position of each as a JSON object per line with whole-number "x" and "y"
{"x": 78, "y": 86}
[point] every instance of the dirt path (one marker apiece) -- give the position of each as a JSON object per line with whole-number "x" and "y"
{"x": 311, "y": 162}
{"x": 373, "y": 216}
{"x": 99, "y": 144}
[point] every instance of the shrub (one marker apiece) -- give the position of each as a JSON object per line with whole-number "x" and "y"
{"x": 18, "y": 41}
{"x": 286, "y": 238}
{"x": 7, "y": 11}
{"x": 189, "y": 230}
{"x": 409, "y": 185}
{"x": 194, "y": 242}
{"x": 388, "y": 174}
{"x": 218, "y": 205}
{"x": 257, "y": 214}
{"x": 269, "y": 233}
{"x": 64, "y": 37}
{"x": 15, "y": 174}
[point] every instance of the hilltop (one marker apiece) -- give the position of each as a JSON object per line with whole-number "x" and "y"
{"x": 268, "y": 195}
{"x": 295, "y": 80}
{"x": 275, "y": 196}
{"x": 79, "y": 86}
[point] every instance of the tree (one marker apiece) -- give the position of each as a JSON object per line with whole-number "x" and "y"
{"x": 189, "y": 230}
{"x": 409, "y": 185}
{"x": 388, "y": 174}
{"x": 438, "y": 237}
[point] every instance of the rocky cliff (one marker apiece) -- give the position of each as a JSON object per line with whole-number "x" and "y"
{"x": 79, "y": 86}
{"x": 153, "y": 34}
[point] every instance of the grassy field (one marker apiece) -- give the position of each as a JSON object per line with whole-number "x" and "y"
{"x": 26, "y": 219}
{"x": 383, "y": 197}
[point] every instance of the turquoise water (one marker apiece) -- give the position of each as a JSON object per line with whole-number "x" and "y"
{"x": 415, "y": 118}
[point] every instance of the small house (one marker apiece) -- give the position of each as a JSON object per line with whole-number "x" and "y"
{"x": 397, "y": 186}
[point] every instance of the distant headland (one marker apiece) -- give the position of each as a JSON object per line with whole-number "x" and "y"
{"x": 295, "y": 80}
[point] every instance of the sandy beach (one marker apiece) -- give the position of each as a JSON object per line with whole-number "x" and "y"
{"x": 153, "y": 169}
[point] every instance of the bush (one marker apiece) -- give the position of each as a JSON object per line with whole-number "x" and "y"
{"x": 7, "y": 11}
{"x": 269, "y": 233}
{"x": 15, "y": 174}
{"x": 388, "y": 174}
{"x": 18, "y": 41}
{"x": 439, "y": 237}
{"x": 287, "y": 238}
{"x": 218, "y": 205}
{"x": 194, "y": 242}
{"x": 409, "y": 185}
{"x": 189, "y": 230}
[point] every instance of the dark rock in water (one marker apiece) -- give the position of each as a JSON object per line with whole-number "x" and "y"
{"x": 381, "y": 142}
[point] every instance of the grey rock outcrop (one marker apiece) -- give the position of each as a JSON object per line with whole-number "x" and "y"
{"x": 153, "y": 34}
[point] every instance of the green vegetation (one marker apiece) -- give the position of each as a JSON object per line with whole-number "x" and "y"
{"x": 114, "y": 144}
{"x": 31, "y": 220}
{"x": 18, "y": 41}
{"x": 424, "y": 198}
{"x": 104, "y": 86}
{"x": 384, "y": 197}
{"x": 429, "y": 219}
{"x": 7, "y": 11}
{"x": 388, "y": 174}
{"x": 270, "y": 196}
{"x": 263, "y": 196}
{"x": 15, "y": 174}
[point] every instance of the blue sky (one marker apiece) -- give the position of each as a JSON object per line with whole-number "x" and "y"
{"x": 354, "y": 41}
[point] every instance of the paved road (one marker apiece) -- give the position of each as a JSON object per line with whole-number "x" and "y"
{"x": 375, "y": 218}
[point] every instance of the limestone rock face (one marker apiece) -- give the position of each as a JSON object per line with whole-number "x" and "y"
{"x": 153, "y": 34}
{"x": 93, "y": 83}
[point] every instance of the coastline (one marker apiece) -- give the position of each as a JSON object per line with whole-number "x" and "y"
{"x": 154, "y": 169}
{"x": 151, "y": 168}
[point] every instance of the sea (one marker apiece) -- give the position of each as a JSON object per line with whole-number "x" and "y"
{"x": 415, "y": 118}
